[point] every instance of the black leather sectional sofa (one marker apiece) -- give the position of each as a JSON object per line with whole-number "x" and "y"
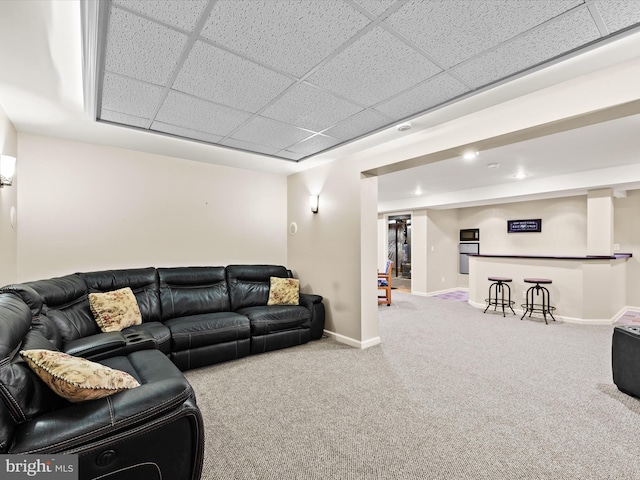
{"x": 191, "y": 317}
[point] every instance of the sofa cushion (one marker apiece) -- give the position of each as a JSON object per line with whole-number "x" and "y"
{"x": 284, "y": 291}
{"x": 77, "y": 379}
{"x": 249, "y": 284}
{"x": 115, "y": 310}
{"x": 207, "y": 329}
{"x": 142, "y": 281}
{"x": 188, "y": 291}
{"x": 276, "y": 318}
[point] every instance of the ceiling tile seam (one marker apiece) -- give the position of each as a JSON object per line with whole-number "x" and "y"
{"x": 598, "y": 20}
{"x": 191, "y": 40}
{"x": 513, "y": 39}
{"x": 226, "y": 49}
{"x": 343, "y": 46}
{"x": 423, "y": 53}
{"x": 151, "y": 19}
{"x": 372, "y": 16}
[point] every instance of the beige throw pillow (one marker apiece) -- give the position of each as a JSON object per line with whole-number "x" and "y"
{"x": 74, "y": 378}
{"x": 115, "y": 310}
{"x": 284, "y": 291}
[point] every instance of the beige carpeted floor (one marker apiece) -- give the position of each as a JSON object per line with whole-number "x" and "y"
{"x": 450, "y": 393}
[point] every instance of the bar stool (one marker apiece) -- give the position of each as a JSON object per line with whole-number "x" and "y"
{"x": 498, "y": 286}
{"x": 544, "y": 307}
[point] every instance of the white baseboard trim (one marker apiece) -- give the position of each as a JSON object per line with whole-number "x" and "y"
{"x": 352, "y": 342}
{"x": 439, "y": 292}
{"x": 582, "y": 321}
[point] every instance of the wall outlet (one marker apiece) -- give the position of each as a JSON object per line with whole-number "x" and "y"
{"x": 616, "y": 247}
{"x": 442, "y": 279}
{"x": 432, "y": 248}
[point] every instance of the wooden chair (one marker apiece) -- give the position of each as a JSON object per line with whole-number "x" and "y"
{"x": 384, "y": 284}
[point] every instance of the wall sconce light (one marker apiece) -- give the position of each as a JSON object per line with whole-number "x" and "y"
{"x": 7, "y": 170}
{"x": 313, "y": 201}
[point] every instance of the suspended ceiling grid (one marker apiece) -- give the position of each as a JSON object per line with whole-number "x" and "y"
{"x": 292, "y": 78}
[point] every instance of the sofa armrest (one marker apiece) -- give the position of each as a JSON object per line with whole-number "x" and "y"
{"x": 89, "y": 347}
{"x": 163, "y": 388}
{"x": 309, "y": 299}
{"x": 315, "y": 305}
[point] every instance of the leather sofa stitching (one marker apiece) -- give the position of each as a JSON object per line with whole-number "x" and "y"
{"x": 110, "y": 405}
{"x": 129, "y": 468}
{"x": 14, "y": 407}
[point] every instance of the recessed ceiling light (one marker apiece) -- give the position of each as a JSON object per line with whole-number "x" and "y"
{"x": 520, "y": 175}
{"x": 418, "y": 191}
{"x": 403, "y": 127}
{"x": 493, "y": 165}
{"x": 471, "y": 155}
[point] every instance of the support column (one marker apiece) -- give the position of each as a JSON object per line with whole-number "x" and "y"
{"x": 600, "y": 222}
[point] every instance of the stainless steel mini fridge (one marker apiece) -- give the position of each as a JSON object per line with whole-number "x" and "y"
{"x": 465, "y": 249}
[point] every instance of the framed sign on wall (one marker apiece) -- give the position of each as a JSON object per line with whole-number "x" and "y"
{"x": 519, "y": 226}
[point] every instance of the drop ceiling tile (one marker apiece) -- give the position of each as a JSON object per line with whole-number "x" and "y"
{"x": 310, "y": 107}
{"x": 124, "y": 119}
{"x": 618, "y": 14}
{"x": 125, "y": 95}
{"x": 180, "y": 14}
{"x": 315, "y": 144}
{"x": 142, "y": 49}
{"x": 358, "y": 125}
{"x": 451, "y": 31}
{"x": 265, "y": 131}
{"x": 222, "y": 77}
{"x": 428, "y": 94}
{"x": 290, "y": 36}
{"x": 376, "y": 7}
{"x": 562, "y": 35}
{"x": 374, "y": 68}
{"x": 185, "y": 132}
{"x": 251, "y": 147}
{"x": 189, "y": 112}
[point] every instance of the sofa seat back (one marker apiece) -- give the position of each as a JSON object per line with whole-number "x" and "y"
{"x": 23, "y": 395}
{"x": 65, "y": 302}
{"x": 142, "y": 281}
{"x": 186, "y": 291}
{"x": 249, "y": 284}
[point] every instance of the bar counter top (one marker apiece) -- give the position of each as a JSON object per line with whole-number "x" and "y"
{"x": 616, "y": 256}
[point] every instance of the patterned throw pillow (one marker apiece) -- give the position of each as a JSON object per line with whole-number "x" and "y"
{"x": 115, "y": 310}
{"x": 74, "y": 378}
{"x": 284, "y": 291}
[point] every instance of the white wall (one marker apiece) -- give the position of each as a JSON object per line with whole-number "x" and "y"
{"x": 564, "y": 227}
{"x": 627, "y": 235}
{"x": 85, "y": 207}
{"x": 327, "y": 250}
{"x": 8, "y": 199}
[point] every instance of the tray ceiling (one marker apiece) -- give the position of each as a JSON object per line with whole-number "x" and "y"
{"x": 292, "y": 78}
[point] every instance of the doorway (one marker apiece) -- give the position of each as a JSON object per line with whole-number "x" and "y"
{"x": 399, "y": 243}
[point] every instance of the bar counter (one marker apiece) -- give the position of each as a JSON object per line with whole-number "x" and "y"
{"x": 586, "y": 289}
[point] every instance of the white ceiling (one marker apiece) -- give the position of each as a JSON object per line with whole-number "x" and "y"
{"x": 292, "y": 78}
{"x": 41, "y": 91}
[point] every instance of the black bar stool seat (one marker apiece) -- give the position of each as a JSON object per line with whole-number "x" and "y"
{"x": 540, "y": 291}
{"x": 498, "y": 286}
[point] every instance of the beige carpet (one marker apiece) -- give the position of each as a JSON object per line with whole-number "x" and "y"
{"x": 449, "y": 394}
